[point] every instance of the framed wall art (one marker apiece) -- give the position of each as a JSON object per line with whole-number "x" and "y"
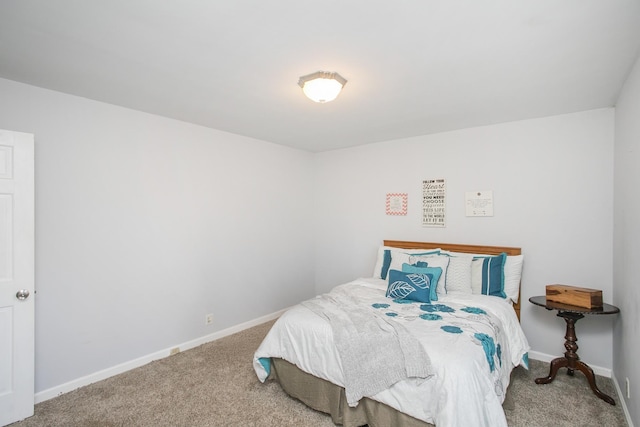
{"x": 396, "y": 203}
{"x": 434, "y": 192}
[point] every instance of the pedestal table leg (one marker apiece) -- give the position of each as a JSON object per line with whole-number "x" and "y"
{"x": 571, "y": 360}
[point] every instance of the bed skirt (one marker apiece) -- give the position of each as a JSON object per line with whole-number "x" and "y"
{"x": 329, "y": 398}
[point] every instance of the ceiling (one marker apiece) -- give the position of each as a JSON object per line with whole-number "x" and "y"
{"x": 413, "y": 67}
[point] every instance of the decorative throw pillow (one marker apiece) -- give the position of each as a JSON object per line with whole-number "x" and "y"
{"x": 434, "y": 274}
{"x": 386, "y": 254}
{"x": 512, "y": 275}
{"x": 487, "y": 275}
{"x": 399, "y": 259}
{"x": 409, "y": 286}
{"x": 458, "y": 277}
{"x": 434, "y": 261}
{"x": 476, "y": 276}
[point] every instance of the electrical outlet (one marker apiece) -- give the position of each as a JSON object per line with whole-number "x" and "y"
{"x": 628, "y": 386}
{"x": 174, "y": 350}
{"x": 208, "y": 319}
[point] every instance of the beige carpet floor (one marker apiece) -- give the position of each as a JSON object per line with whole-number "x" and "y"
{"x": 215, "y": 385}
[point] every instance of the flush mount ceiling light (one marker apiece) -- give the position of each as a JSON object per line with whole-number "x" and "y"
{"x": 322, "y": 86}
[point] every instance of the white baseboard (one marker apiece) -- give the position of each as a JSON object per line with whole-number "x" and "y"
{"x": 141, "y": 361}
{"x": 127, "y": 366}
{"x": 623, "y": 402}
{"x": 598, "y": 370}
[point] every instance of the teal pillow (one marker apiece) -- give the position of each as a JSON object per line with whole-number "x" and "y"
{"x": 433, "y": 273}
{"x": 410, "y": 286}
{"x": 493, "y": 275}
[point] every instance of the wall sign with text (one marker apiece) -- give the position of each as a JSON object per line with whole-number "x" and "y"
{"x": 434, "y": 193}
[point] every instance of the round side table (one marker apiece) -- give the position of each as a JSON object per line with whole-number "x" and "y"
{"x": 571, "y": 314}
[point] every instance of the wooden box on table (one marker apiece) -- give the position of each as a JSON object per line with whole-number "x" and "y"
{"x": 573, "y": 295}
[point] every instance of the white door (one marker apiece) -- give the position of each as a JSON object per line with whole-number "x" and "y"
{"x": 16, "y": 276}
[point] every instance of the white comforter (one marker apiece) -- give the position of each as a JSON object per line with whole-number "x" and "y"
{"x": 473, "y": 341}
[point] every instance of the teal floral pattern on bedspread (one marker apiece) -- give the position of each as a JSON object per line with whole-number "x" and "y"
{"x": 464, "y": 320}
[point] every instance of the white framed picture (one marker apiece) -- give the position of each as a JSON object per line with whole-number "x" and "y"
{"x": 479, "y": 203}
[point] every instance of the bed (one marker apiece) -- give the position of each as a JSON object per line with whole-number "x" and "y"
{"x": 430, "y": 339}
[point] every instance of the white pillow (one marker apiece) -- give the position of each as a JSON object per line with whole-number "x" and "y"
{"x": 441, "y": 261}
{"x": 377, "y": 270}
{"x": 459, "y": 274}
{"x": 512, "y": 275}
{"x": 379, "y": 261}
{"x": 397, "y": 259}
{"x": 476, "y": 276}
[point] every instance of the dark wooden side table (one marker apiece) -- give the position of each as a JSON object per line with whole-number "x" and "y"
{"x": 571, "y": 314}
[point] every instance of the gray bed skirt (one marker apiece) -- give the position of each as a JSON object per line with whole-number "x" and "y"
{"x": 329, "y": 398}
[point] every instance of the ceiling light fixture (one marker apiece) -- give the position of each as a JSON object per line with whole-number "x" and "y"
{"x": 322, "y": 86}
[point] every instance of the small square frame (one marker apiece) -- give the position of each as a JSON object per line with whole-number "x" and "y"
{"x": 397, "y": 203}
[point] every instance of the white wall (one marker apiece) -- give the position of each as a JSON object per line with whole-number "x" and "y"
{"x": 552, "y": 181}
{"x": 627, "y": 240}
{"x": 145, "y": 224}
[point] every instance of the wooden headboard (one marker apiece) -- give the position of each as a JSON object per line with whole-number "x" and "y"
{"x": 454, "y": 247}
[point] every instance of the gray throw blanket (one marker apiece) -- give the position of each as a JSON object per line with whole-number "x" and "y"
{"x": 375, "y": 351}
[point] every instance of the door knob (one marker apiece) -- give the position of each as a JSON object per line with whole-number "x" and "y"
{"x": 22, "y": 294}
